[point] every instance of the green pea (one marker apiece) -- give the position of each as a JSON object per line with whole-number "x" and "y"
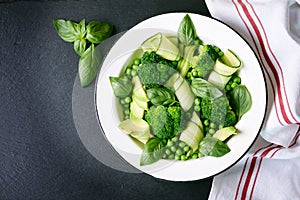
{"x": 181, "y": 144}
{"x": 164, "y": 156}
{"x": 127, "y": 99}
{"x": 126, "y": 105}
{"x": 127, "y": 112}
{"x": 173, "y": 149}
{"x": 137, "y": 62}
{"x": 194, "y": 73}
{"x": 122, "y": 101}
{"x": 206, "y": 122}
{"x": 221, "y": 126}
{"x": 194, "y": 156}
{"x": 189, "y": 75}
{"x": 128, "y": 71}
{"x": 127, "y": 117}
{"x": 179, "y": 152}
{"x": 228, "y": 88}
{"x": 197, "y": 41}
{"x": 237, "y": 80}
{"x": 233, "y": 85}
{"x": 211, "y": 131}
{"x": 197, "y": 101}
{"x": 167, "y": 152}
{"x": 174, "y": 139}
{"x": 177, "y": 157}
{"x": 183, "y": 157}
{"x": 171, "y": 156}
{"x": 212, "y": 125}
{"x": 134, "y": 67}
{"x": 216, "y": 49}
{"x": 197, "y": 108}
{"x": 186, "y": 148}
{"x": 133, "y": 73}
{"x": 200, "y": 155}
{"x": 220, "y": 53}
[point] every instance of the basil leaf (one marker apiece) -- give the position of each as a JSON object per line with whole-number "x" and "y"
{"x": 186, "y": 31}
{"x": 161, "y": 96}
{"x": 211, "y": 146}
{"x": 122, "y": 86}
{"x": 88, "y": 66}
{"x": 204, "y": 89}
{"x": 153, "y": 151}
{"x": 240, "y": 99}
{"x": 98, "y": 31}
{"x": 82, "y": 28}
{"x": 66, "y": 29}
{"x": 79, "y": 46}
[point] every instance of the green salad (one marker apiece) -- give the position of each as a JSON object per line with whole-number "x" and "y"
{"x": 181, "y": 98}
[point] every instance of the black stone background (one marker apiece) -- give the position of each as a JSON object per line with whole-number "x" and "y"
{"x": 41, "y": 155}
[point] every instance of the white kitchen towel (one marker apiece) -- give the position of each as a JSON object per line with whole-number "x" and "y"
{"x": 270, "y": 170}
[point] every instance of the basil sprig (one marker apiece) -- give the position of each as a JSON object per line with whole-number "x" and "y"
{"x": 211, "y": 146}
{"x": 204, "y": 89}
{"x": 161, "y": 96}
{"x": 85, "y": 38}
{"x": 241, "y": 100}
{"x": 153, "y": 151}
{"x": 97, "y": 31}
{"x": 186, "y": 31}
{"x": 122, "y": 86}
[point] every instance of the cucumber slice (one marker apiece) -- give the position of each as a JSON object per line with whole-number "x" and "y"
{"x": 195, "y": 118}
{"x": 152, "y": 43}
{"x": 170, "y": 83}
{"x": 167, "y": 49}
{"x": 173, "y": 39}
{"x": 137, "y": 128}
{"x": 185, "y": 95}
{"x": 224, "y": 133}
{"x": 228, "y": 64}
{"x": 218, "y": 80}
{"x": 192, "y": 135}
{"x": 140, "y": 102}
{"x": 138, "y": 89}
{"x": 185, "y": 64}
{"x": 136, "y": 112}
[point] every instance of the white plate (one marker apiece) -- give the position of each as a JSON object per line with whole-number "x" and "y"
{"x": 210, "y": 31}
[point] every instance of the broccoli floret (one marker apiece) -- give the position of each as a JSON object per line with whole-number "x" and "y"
{"x": 205, "y": 60}
{"x": 166, "y": 122}
{"x": 230, "y": 119}
{"x": 213, "y": 51}
{"x": 160, "y": 121}
{"x": 218, "y": 111}
{"x": 179, "y": 118}
{"x": 154, "y": 70}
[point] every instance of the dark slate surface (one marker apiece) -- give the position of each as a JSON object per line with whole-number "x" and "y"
{"x": 41, "y": 155}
